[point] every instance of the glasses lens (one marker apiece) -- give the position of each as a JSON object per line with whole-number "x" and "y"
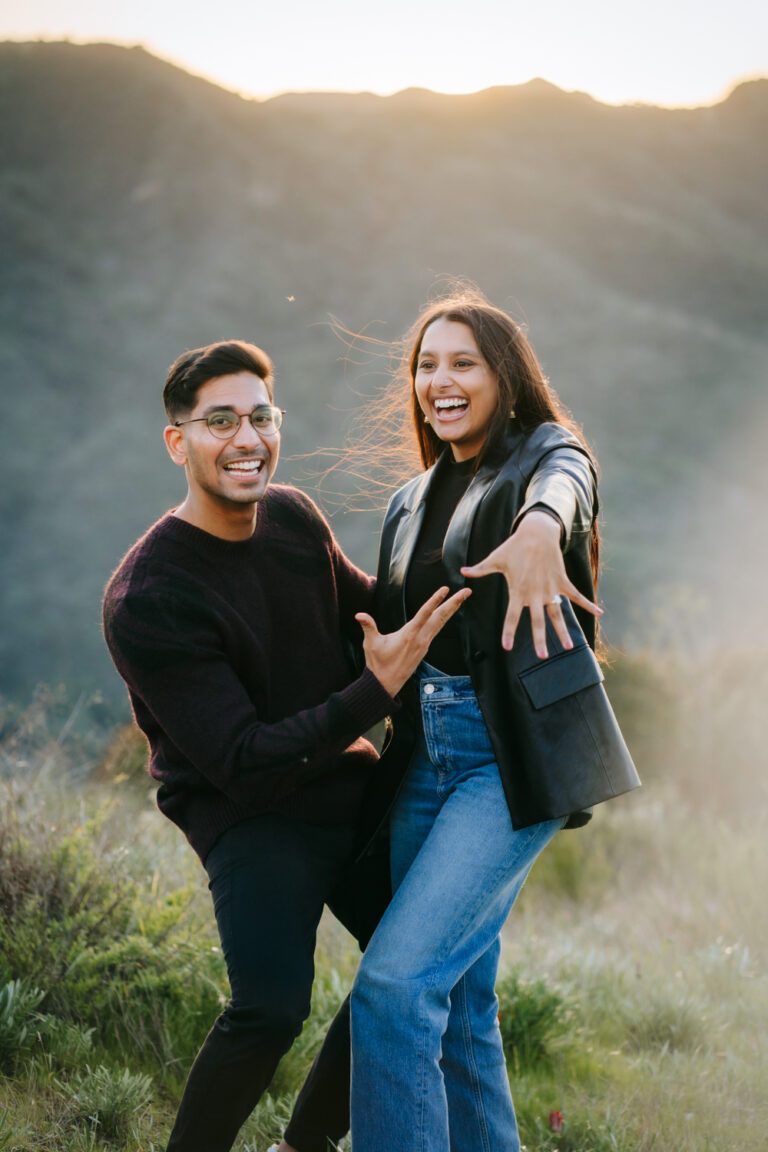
{"x": 223, "y": 424}
{"x": 267, "y": 420}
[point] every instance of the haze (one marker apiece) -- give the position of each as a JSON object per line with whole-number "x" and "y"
{"x": 686, "y": 53}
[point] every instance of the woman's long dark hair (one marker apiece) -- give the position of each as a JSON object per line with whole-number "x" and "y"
{"x": 523, "y": 388}
{"x": 391, "y": 438}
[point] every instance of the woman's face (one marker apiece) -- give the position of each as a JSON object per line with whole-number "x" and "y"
{"x": 456, "y": 390}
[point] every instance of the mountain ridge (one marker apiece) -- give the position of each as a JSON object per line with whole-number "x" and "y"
{"x": 144, "y": 210}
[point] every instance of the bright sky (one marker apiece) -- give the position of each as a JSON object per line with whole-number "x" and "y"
{"x": 655, "y": 51}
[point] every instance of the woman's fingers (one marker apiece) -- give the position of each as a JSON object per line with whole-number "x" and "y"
{"x": 511, "y": 621}
{"x": 539, "y": 608}
{"x": 576, "y": 597}
{"x": 555, "y": 613}
{"x": 539, "y": 630}
{"x": 437, "y": 610}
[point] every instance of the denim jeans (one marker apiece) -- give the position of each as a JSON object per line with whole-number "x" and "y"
{"x": 428, "y": 1069}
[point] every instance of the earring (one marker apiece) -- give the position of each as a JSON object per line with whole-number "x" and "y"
{"x": 511, "y": 413}
{"x": 426, "y": 418}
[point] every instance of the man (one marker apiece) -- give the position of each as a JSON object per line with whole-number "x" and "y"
{"x": 229, "y": 622}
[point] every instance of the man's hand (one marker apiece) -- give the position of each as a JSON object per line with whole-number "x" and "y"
{"x": 532, "y": 564}
{"x": 395, "y": 656}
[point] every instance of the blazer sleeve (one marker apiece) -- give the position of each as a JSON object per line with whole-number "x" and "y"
{"x": 561, "y": 479}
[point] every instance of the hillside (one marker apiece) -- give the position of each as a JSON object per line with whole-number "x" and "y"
{"x": 143, "y": 211}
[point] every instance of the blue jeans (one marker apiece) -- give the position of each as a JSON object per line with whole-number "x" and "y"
{"x": 428, "y": 1069}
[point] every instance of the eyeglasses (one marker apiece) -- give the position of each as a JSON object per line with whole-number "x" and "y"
{"x": 266, "y": 420}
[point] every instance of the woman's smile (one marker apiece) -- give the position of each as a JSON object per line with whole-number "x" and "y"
{"x": 450, "y": 407}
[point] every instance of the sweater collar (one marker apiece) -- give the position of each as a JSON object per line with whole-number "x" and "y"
{"x": 205, "y": 542}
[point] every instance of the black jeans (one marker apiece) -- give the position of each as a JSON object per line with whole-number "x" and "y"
{"x": 270, "y": 877}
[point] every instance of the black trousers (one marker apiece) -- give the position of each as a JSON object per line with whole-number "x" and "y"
{"x": 270, "y": 878}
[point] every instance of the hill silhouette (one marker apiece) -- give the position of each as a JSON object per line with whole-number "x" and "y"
{"x": 144, "y": 211}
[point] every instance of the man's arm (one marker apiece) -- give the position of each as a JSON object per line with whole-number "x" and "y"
{"x": 170, "y": 655}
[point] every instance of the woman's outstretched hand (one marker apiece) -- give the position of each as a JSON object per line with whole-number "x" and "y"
{"x": 394, "y": 656}
{"x": 532, "y": 564}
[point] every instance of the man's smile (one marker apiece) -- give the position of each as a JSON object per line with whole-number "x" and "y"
{"x": 250, "y": 467}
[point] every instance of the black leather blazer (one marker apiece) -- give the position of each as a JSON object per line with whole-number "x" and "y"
{"x": 557, "y": 743}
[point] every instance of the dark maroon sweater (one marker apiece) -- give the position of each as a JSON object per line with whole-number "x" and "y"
{"x": 238, "y": 673}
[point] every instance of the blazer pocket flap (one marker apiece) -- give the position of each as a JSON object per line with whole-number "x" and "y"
{"x": 564, "y": 674}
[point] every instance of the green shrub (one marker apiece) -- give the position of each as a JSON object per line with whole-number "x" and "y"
{"x": 533, "y": 1019}
{"x": 6, "y": 1132}
{"x": 57, "y": 898}
{"x": 64, "y": 1046}
{"x": 152, "y": 1003}
{"x": 83, "y": 1139}
{"x": 108, "y": 1099}
{"x": 18, "y": 1015}
{"x": 72, "y": 922}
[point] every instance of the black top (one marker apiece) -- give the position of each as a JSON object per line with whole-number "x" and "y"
{"x": 427, "y": 573}
{"x": 234, "y": 656}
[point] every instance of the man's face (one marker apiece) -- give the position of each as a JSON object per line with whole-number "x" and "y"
{"x": 223, "y": 473}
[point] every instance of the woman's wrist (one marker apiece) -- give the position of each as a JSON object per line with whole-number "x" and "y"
{"x": 541, "y": 519}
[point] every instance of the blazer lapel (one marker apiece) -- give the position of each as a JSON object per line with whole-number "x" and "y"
{"x": 456, "y": 544}
{"x": 404, "y": 542}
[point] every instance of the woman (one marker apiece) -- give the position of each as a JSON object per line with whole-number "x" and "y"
{"x": 513, "y": 740}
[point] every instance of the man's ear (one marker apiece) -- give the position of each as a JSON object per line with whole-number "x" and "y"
{"x": 174, "y": 442}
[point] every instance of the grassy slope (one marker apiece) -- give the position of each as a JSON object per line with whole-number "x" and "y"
{"x": 634, "y": 990}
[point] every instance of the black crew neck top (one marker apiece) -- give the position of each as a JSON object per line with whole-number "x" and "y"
{"x": 427, "y": 573}
{"x": 235, "y": 660}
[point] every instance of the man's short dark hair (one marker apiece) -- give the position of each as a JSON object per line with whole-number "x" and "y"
{"x": 193, "y": 369}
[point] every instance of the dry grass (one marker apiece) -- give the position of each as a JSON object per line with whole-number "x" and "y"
{"x": 649, "y": 926}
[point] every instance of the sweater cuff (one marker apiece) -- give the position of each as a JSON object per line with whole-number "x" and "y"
{"x": 367, "y": 701}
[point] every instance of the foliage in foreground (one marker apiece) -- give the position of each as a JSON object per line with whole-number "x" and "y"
{"x": 73, "y": 925}
{"x": 633, "y": 1000}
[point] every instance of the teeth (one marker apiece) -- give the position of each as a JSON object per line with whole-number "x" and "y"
{"x": 450, "y": 402}
{"x": 245, "y": 466}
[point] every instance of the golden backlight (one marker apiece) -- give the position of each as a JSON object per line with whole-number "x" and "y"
{"x": 685, "y": 53}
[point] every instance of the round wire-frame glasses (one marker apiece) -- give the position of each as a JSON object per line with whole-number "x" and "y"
{"x": 224, "y": 423}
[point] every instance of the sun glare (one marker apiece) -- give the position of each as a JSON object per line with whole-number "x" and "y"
{"x": 686, "y": 53}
